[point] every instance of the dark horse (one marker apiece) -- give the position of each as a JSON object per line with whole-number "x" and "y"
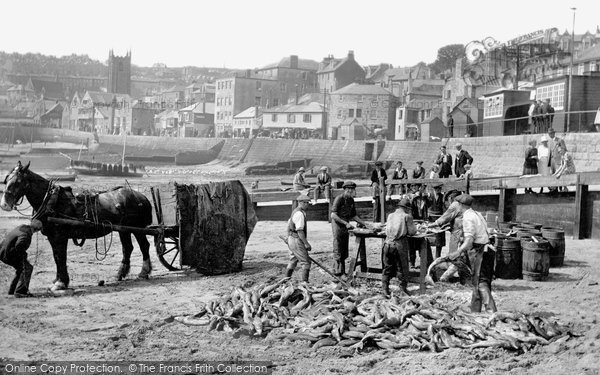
{"x": 120, "y": 206}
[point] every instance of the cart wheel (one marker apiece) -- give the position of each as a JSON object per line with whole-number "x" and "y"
{"x": 167, "y": 249}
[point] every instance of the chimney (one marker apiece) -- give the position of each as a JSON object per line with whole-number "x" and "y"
{"x": 294, "y": 61}
{"x": 458, "y": 69}
{"x": 350, "y": 55}
{"x": 248, "y": 73}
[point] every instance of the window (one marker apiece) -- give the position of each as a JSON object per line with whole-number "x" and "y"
{"x": 257, "y": 100}
{"x": 304, "y": 76}
{"x": 447, "y": 94}
{"x": 282, "y": 86}
{"x": 339, "y": 114}
{"x": 306, "y": 117}
{"x": 358, "y": 112}
{"x": 580, "y": 69}
{"x": 556, "y": 94}
{"x": 373, "y": 114}
{"x": 593, "y": 67}
{"x": 493, "y": 106}
{"x": 275, "y": 102}
{"x": 291, "y": 118}
{"x": 400, "y": 114}
{"x": 258, "y": 84}
{"x": 351, "y": 112}
{"x": 274, "y": 117}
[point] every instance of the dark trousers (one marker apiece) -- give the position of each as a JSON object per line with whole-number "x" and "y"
{"x": 340, "y": 248}
{"x": 23, "y": 272}
{"x": 482, "y": 266}
{"x": 394, "y": 259}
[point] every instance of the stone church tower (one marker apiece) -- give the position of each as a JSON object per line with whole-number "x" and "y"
{"x": 119, "y": 73}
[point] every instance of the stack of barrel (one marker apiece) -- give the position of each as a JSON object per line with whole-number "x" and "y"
{"x": 530, "y": 254}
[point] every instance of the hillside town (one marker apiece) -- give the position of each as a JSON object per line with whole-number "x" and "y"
{"x": 334, "y": 98}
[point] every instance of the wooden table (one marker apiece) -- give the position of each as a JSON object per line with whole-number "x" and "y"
{"x": 360, "y": 257}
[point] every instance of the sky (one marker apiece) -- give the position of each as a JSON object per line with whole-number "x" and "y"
{"x": 252, "y": 33}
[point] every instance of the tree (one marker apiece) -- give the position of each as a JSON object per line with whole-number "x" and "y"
{"x": 447, "y": 56}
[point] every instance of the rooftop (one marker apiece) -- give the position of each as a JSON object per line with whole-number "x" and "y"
{"x": 358, "y": 89}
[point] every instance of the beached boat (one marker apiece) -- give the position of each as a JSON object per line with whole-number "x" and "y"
{"x": 105, "y": 169}
{"x": 61, "y": 177}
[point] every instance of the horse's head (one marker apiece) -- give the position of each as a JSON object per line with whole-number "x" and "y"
{"x": 17, "y": 184}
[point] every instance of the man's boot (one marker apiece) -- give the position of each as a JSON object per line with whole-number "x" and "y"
{"x": 405, "y": 288}
{"x": 289, "y": 272}
{"x": 22, "y": 289}
{"x": 385, "y": 286}
{"x": 305, "y": 274}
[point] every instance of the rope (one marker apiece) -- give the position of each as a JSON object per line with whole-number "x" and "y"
{"x": 101, "y": 255}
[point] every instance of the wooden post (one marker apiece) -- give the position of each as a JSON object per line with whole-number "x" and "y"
{"x": 582, "y": 219}
{"x": 506, "y": 204}
{"x": 362, "y": 253}
{"x": 382, "y": 200}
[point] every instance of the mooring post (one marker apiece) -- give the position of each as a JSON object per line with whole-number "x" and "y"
{"x": 582, "y": 221}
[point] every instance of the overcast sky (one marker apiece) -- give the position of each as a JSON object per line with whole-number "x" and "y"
{"x": 253, "y": 33}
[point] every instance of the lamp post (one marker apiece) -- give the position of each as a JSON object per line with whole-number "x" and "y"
{"x": 572, "y": 50}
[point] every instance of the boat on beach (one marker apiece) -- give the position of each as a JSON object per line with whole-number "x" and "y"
{"x": 106, "y": 169}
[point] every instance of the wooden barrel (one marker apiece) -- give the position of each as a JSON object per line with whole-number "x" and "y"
{"x": 505, "y": 227}
{"x": 536, "y": 260}
{"x": 508, "y": 258}
{"x": 528, "y": 224}
{"x": 556, "y": 241}
{"x": 529, "y": 232}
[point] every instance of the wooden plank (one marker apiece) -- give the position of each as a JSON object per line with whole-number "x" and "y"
{"x": 259, "y": 197}
{"x": 536, "y": 181}
{"x": 581, "y": 220}
{"x": 506, "y": 204}
{"x": 589, "y": 178}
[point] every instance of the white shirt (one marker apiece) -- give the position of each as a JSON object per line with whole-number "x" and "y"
{"x": 475, "y": 226}
{"x": 543, "y": 151}
{"x": 298, "y": 220}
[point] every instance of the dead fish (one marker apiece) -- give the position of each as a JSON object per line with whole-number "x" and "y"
{"x": 297, "y": 337}
{"x": 488, "y": 344}
{"x": 353, "y": 335}
{"x": 247, "y": 313}
{"x": 335, "y": 333}
{"x": 321, "y": 321}
{"x": 538, "y": 329}
{"x": 214, "y": 320}
{"x": 387, "y": 344}
{"x": 327, "y": 341}
{"x": 269, "y": 288}
{"x": 258, "y": 325}
{"x": 347, "y": 342}
{"x": 550, "y": 328}
{"x": 287, "y": 293}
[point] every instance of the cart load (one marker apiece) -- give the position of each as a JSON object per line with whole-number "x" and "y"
{"x": 215, "y": 222}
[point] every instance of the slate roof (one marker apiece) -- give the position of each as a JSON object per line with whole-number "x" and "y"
{"x": 249, "y": 112}
{"x": 312, "y": 107}
{"x": 592, "y": 53}
{"x": 358, "y": 89}
{"x": 305, "y": 64}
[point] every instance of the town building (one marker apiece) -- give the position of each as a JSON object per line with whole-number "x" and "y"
{"x": 371, "y": 105}
{"x": 397, "y": 80}
{"x": 505, "y": 112}
{"x": 239, "y": 92}
{"x": 334, "y": 74}
{"x": 119, "y": 73}
{"x": 303, "y": 120}
{"x": 142, "y": 119}
{"x": 104, "y": 112}
{"x": 468, "y": 118}
{"x": 296, "y": 77}
{"x": 247, "y": 123}
{"x": 197, "y": 120}
{"x": 166, "y": 123}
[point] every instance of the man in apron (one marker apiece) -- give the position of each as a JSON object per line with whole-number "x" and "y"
{"x": 481, "y": 257}
{"x": 297, "y": 241}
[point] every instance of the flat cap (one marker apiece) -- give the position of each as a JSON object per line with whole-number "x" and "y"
{"x": 323, "y": 168}
{"x": 378, "y": 162}
{"x": 301, "y": 169}
{"x": 420, "y": 162}
{"x": 303, "y": 198}
{"x": 349, "y": 184}
{"x": 465, "y": 199}
{"x": 458, "y": 145}
{"x": 404, "y": 202}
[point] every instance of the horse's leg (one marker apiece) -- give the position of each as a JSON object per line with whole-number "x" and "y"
{"x": 145, "y": 248}
{"x": 127, "y": 247}
{"x": 59, "y": 251}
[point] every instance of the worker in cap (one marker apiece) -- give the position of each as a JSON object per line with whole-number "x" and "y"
{"x": 435, "y": 209}
{"x": 298, "y": 182}
{"x": 444, "y": 160}
{"x": 323, "y": 184}
{"x": 297, "y": 239}
{"x": 481, "y": 258}
{"x": 378, "y": 177}
{"x": 400, "y": 173}
{"x": 343, "y": 211}
{"x": 13, "y": 251}
{"x": 396, "y": 247}
{"x": 419, "y": 171}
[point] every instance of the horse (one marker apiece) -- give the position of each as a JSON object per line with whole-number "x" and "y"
{"x": 121, "y": 206}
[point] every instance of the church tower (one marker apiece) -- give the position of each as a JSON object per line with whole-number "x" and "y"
{"x": 119, "y": 73}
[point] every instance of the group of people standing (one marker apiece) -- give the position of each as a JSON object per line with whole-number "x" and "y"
{"x": 549, "y": 158}
{"x": 541, "y": 115}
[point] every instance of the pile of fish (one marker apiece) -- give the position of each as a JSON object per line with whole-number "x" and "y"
{"x": 327, "y": 315}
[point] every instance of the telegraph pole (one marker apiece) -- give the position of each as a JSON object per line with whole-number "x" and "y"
{"x": 324, "y": 119}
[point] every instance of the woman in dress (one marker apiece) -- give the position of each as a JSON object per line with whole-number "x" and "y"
{"x": 566, "y": 164}
{"x": 530, "y": 165}
{"x": 543, "y": 152}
